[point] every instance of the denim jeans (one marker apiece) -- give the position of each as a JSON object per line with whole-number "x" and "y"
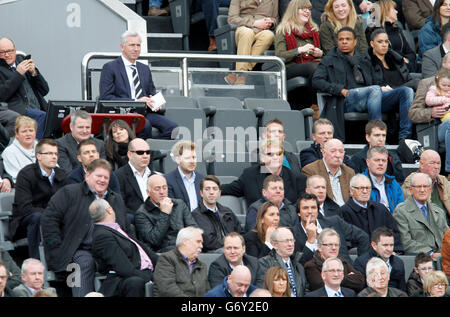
{"x": 444, "y": 135}
{"x": 210, "y": 9}
{"x": 156, "y": 3}
{"x": 364, "y": 99}
{"x": 39, "y": 116}
{"x": 400, "y": 97}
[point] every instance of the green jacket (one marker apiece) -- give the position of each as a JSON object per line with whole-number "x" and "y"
{"x": 282, "y": 51}
{"x": 328, "y": 38}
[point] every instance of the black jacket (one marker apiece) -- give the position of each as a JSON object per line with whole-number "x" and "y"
{"x": 314, "y": 153}
{"x": 113, "y": 252}
{"x": 397, "y": 276}
{"x": 330, "y": 77}
{"x": 414, "y": 284}
{"x": 374, "y": 216}
{"x": 221, "y": 268}
{"x": 13, "y": 91}
{"x": 33, "y": 192}
{"x": 213, "y": 229}
{"x": 250, "y": 184}
{"x": 158, "y": 229}
{"x": 66, "y": 222}
{"x": 77, "y": 176}
{"x": 330, "y": 208}
{"x": 394, "y": 166}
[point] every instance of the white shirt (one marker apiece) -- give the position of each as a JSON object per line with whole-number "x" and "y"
{"x": 189, "y": 184}
{"x": 382, "y": 189}
{"x": 129, "y": 71}
{"x": 141, "y": 180}
{"x": 312, "y": 247}
{"x": 332, "y": 292}
{"x": 335, "y": 185}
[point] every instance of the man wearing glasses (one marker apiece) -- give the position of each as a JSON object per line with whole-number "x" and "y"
{"x": 422, "y": 224}
{"x": 22, "y": 86}
{"x": 367, "y": 214}
{"x": 35, "y": 185}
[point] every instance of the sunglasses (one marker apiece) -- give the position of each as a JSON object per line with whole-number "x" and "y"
{"x": 141, "y": 152}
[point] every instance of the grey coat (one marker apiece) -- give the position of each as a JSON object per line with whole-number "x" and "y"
{"x": 431, "y": 61}
{"x": 23, "y": 291}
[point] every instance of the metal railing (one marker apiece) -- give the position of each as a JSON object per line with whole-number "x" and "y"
{"x": 183, "y": 58}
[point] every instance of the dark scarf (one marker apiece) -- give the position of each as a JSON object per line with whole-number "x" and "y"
{"x": 291, "y": 42}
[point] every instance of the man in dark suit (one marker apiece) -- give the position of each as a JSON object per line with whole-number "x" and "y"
{"x": 184, "y": 182}
{"x": 35, "y": 185}
{"x": 317, "y": 185}
{"x": 332, "y": 276}
{"x": 86, "y": 153}
{"x": 250, "y": 183}
{"x": 22, "y": 86}
{"x": 80, "y": 129}
{"x": 307, "y": 232}
{"x": 128, "y": 265}
{"x": 233, "y": 255}
{"x": 126, "y": 79}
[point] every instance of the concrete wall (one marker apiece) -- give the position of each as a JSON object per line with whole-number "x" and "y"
{"x": 58, "y": 33}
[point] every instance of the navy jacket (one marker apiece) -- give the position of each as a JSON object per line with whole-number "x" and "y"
{"x": 313, "y": 153}
{"x": 321, "y": 292}
{"x": 77, "y": 176}
{"x": 223, "y": 291}
{"x": 177, "y": 189}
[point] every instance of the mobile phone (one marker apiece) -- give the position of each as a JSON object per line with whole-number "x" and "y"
{"x": 27, "y": 57}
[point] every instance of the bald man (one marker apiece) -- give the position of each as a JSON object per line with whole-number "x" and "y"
{"x": 159, "y": 219}
{"x": 430, "y": 164}
{"x": 332, "y": 168}
{"x": 237, "y": 284}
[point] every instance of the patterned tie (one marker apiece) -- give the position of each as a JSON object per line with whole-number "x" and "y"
{"x": 136, "y": 82}
{"x": 338, "y": 294}
{"x": 424, "y": 211}
{"x": 13, "y": 68}
{"x": 291, "y": 279}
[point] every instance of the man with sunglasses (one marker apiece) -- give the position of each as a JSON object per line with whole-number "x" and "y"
{"x": 422, "y": 224}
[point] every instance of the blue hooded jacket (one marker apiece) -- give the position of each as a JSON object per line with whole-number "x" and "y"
{"x": 429, "y": 36}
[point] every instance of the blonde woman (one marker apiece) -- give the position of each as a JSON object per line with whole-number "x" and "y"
{"x": 297, "y": 41}
{"x": 435, "y": 284}
{"x": 340, "y": 13}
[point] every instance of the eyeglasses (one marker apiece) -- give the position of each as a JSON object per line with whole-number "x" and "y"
{"x": 362, "y": 188}
{"x": 286, "y": 241}
{"x": 141, "y": 152}
{"x": 335, "y": 271}
{"x": 270, "y": 154}
{"x": 443, "y": 285}
{"x": 331, "y": 245}
{"x": 421, "y": 186}
{"x": 49, "y": 153}
{"x": 7, "y": 52}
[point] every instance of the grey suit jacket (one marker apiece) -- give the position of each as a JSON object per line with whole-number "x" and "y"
{"x": 431, "y": 61}
{"x": 417, "y": 234}
{"x": 23, "y": 291}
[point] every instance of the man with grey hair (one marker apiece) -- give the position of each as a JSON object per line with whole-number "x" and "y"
{"x": 126, "y": 79}
{"x": 80, "y": 130}
{"x": 33, "y": 278}
{"x": 127, "y": 263}
{"x": 422, "y": 224}
{"x": 377, "y": 273}
{"x": 179, "y": 272}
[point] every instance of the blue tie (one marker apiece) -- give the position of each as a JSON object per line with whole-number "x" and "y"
{"x": 291, "y": 279}
{"x": 13, "y": 68}
{"x": 424, "y": 212}
{"x": 338, "y": 294}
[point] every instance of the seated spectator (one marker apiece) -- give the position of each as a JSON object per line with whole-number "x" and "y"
{"x": 328, "y": 244}
{"x": 386, "y": 18}
{"x": 86, "y": 153}
{"x": 154, "y": 8}
{"x": 382, "y": 246}
{"x": 20, "y": 152}
{"x": 297, "y": 41}
{"x": 273, "y": 191}
{"x": 332, "y": 168}
{"x": 250, "y": 183}
{"x": 317, "y": 185}
{"x": 80, "y": 129}
{"x": 274, "y": 129}
{"x": 416, "y": 12}
{"x": 377, "y": 273}
{"x": 366, "y": 214}
{"x": 128, "y": 265}
{"x": 215, "y": 219}
{"x": 307, "y": 233}
{"x": 430, "y": 34}
{"x": 260, "y": 292}
{"x": 385, "y": 189}
{"x": 33, "y": 278}
{"x": 233, "y": 255}
{"x": 332, "y": 276}
{"x": 322, "y": 131}
{"x": 179, "y": 272}
{"x": 116, "y": 143}
{"x": 376, "y": 131}
{"x": 445, "y": 260}
{"x": 258, "y": 239}
{"x": 67, "y": 227}
{"x": 5, "y": 291}
{"x": 339, "y": 14}
{"x": 283, "y": 255}
{"x": 435, "y": 284}
{"x": 45, "y": 293}
{"x": 422, "y": 224}
{"x": 14, "y": 272}
{"x": 160, "y": 218}
{"x": 433, "y": 58}
{"x": 255, "y": 22}
{"x": 184, "y": 182}
{"x": 423, "y": 263}
{"x": 36, "y": 184}
{"x": 276, "y": 281}
{"x": 348, "y": 76}
{"x": 237, "y": 284}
